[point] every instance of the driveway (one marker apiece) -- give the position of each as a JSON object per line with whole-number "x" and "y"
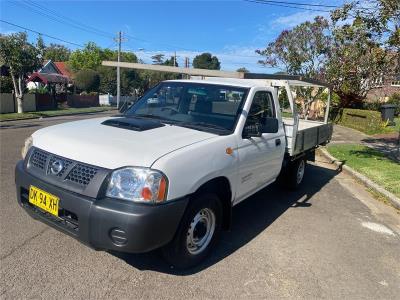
{"x": 329, "y": 239}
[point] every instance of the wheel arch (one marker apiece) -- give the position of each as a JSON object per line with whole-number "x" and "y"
{"x": 222, "y": 188}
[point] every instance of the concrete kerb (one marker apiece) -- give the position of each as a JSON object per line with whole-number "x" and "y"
{"x": 372, "y": 185}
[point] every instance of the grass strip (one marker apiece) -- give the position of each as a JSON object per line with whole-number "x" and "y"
{"x": 371, "y": 163}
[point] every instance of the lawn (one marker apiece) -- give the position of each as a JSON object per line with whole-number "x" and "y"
{"x": 52, "y": 113}
{"x": 395, "y": 128}
{"x": 371, "y": 163}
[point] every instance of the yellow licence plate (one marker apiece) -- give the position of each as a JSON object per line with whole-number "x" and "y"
{"x": 43, "y": 200}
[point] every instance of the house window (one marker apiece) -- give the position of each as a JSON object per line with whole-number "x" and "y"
{"x": 396, "y": 83}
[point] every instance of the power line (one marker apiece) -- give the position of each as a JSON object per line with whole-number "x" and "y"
{"x": 299, "y": 3}
{"x": 44, "y": 11}
{"x": 302, "y": 6}
{"x": 288, "y": 6}
{"x": 36, "y": 8}
{"x": 41, "y": 33}
{"x": 72, "y": 20}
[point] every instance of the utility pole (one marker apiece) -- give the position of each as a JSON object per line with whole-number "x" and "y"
{"x": 119, "y": 40}
{"x": 175, "y": 59}
{"x": 187, "y": 65}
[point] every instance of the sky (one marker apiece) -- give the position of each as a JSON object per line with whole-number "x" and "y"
{"x": 231, "y": 30}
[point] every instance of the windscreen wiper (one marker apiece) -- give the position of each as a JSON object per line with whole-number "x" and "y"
{"x": 201, "y": 125}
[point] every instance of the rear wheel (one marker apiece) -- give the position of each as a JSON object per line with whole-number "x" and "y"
{"x": 197, "y": 233}
{"x": 295, "y": 173}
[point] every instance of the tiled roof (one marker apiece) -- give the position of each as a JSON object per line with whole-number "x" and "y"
{"x": 62, "y": 67}
{"x": 48, "y": 78}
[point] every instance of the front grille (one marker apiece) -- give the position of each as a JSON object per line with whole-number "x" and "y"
{"x": 82, "y": 174}
{"x": 76, "y": 173}
{"x": 65, "y": 162}
{"x": 38, "y": 159}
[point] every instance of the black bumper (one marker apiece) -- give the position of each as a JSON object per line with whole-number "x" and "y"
{"x": 104, "y": 224}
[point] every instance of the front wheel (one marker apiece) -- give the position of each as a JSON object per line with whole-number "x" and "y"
{"x": 197, "y": 233}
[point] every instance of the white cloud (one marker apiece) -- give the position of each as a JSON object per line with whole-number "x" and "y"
{"x": 296, "y": 18}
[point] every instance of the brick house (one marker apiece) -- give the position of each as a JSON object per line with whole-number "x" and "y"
{"x": 383, "y": 91}
{"x": 387, "y": 86}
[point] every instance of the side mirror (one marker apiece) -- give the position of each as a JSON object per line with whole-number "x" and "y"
{"x": 252, "y": 130}
{"x": 271, "y": 125}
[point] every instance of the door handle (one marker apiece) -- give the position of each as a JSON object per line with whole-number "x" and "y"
{"x": 277, "y": 142}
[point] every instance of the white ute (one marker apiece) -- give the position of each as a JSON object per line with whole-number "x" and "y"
{"x": 167, "y": 172}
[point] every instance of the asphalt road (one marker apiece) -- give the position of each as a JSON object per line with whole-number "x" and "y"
{"x": 330, "y": 239}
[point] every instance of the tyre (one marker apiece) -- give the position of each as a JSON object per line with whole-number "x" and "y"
{"x": 197, "y": 233}
{"x": 295, "y": 173}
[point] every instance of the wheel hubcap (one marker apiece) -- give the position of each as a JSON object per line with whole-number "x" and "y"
{"x": 201, "y": 231}
{"x": 300, "y": 171}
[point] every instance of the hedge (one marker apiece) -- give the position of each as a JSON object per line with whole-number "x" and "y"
{"x": 367, "y": 121}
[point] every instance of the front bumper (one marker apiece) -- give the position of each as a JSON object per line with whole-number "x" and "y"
{"x": 104, "y": 224}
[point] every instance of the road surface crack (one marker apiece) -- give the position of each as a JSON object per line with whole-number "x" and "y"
{"x": 23, "y": 244}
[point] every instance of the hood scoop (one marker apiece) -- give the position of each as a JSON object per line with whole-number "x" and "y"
{"x": 134, "y": 124}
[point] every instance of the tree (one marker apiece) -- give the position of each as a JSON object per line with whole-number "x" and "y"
{"x": 283, "y": 99}
{"x": 88, "y": 58}
{"x": 243, "y": 70}
{"x": 108, "y": 76}
{"x": 6, "y": 84}
{"x": 22, "y": 58}
{"x": 381, "y": 17}
{"x": 206, "y": 61}
{"x": 171, "y": 62}
{"x": 130, "y": 81}
{"x": 87, "y": 80}
{"x": 56, "y": 52}
{"x": 40, "y": 45}
{"x": 301, "y": 51}
{"x": 369, "y": 44}
{"x": 357, "y": 63}
{"x": 158, "y": 59}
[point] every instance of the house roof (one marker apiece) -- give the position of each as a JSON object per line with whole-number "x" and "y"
{"x": 48, "y": 78}
{"x": 62, "y": 67}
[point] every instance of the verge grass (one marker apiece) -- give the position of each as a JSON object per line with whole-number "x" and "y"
{"x": 371, "y": 163}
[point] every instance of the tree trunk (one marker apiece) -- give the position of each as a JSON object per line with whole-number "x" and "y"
{"x": 20, "y": 96}
{"x": 18, "y": 93}
{"x": 20, "y": 106}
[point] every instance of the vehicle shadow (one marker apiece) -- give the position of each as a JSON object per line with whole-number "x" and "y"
{"x": 250, "y": 218}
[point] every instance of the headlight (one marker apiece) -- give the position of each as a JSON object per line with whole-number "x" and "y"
{"x": 138, "y": 185}
{"x": 28, "y": 144}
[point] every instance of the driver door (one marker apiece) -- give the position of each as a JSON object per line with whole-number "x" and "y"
{"x": 260, "y": 158}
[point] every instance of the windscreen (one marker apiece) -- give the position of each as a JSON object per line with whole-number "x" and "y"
{"x": 187, "y": 103}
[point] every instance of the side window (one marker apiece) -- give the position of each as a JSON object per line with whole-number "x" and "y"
{"x": 261, "y": 108}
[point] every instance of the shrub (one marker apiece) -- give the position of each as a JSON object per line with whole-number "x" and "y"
{"x": 6, "y": 85}
{"x": 376, "y": 105}
{"x": 367, "y": 121}
{"x": 395, "y": 99}
{"x": 87, "y": 80}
